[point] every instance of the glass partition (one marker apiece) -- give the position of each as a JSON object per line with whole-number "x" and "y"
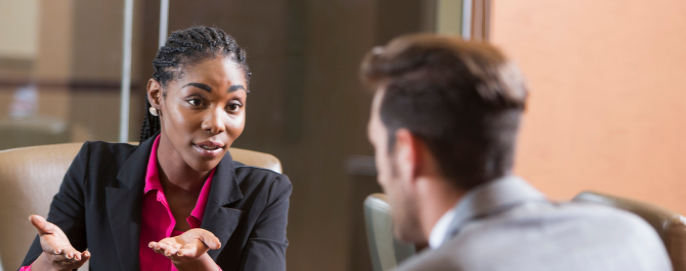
{"x": 60, "y": 70}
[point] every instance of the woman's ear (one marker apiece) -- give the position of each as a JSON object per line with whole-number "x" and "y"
{"x": 154, "y": 93}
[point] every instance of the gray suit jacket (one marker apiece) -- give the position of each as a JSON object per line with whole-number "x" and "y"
{"x": 509, "y": 225}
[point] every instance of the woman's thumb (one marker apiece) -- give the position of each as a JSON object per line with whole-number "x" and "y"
{"x": 210, "y": 240}
{"x": 41, "y": 224}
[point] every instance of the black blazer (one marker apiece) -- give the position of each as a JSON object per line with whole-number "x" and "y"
{"x": 99, "y": 202}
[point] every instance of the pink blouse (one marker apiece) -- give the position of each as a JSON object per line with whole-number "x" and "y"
{"x": 157, "y": 221}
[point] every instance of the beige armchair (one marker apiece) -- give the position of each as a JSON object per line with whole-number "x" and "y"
{"x": 31, "y": 176}
{"x": 385, "y": 251}
{"x": 670, "y": 225}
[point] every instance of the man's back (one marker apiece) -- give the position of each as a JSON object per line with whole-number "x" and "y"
{"x": 444, "y": 123}
{"x": 536, "y": 234}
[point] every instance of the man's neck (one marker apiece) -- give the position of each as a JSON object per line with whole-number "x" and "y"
{"x": 437, "y": 198}
{"x": 440, "y": 230}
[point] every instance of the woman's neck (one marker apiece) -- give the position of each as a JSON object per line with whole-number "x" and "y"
{"x": 175, "y": 175}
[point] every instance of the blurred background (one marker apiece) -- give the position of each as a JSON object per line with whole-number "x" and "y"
{"x": 607, "y": 110}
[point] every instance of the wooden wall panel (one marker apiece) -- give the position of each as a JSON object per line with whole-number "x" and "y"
{"x": 607, "y": 109}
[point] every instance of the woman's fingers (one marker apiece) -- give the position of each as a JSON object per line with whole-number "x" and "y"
{"x": 190, "y": 245}
{"x": 165, "y": 247}
{"x": 168, "y": 249}
{"x": 59, "y": 250}
{"x": 81, "y": 258}
{"x": 67, "y": 253}
{"x": 75, "y": 255}
{"x": 187, "y": 252}
{"x": 175, "y": 251}
{"x": 85, "y": 256}
{"x": 72, "y": 257}
{"x": 57, "y": 246}
{"x": 155, "y": 246}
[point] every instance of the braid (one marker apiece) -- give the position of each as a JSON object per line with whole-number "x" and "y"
{"x": 184, "y": 47}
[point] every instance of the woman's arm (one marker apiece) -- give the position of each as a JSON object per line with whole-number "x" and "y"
{"x": 266, "y": 247}
{"x": 66, "y": 210}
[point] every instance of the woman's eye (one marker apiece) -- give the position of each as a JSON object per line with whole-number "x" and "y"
{"x": 195, "y": 102}
{"x": 234, "y": 107}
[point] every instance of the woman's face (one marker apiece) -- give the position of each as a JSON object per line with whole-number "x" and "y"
{"x": 202, "y": 112}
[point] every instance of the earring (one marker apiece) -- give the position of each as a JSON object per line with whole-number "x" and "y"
{"x": 153, "y": 111}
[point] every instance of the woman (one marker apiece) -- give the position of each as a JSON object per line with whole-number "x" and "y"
{"x": 177, "y": 201}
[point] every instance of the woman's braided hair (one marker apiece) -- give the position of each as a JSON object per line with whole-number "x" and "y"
{"x": 184, "y": 47}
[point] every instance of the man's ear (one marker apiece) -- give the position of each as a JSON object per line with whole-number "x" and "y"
{"x": 154, "y": 93}
{"x": 408, "y": 154}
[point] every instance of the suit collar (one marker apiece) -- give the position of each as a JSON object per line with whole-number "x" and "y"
{"x": 492, "y": 198}
{"x": 132, "y": 173}
{"x": 219, "y": 218}
{"x": 225, "y": 187}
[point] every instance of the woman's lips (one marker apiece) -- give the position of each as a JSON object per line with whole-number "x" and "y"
{"x": 209, "y": 149}
{"x": 210, "y": 144}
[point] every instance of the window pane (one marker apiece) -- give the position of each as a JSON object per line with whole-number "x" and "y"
{"x": 60, "y": 70}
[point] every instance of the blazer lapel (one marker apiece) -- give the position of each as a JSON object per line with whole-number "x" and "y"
{"x": 124, "y": 206}
{"x": 219, "y": 219}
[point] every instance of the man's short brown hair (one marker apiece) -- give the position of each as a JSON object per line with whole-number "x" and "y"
{"x": 464, "y": 99}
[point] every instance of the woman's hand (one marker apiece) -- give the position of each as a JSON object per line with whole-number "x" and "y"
{"x": 58, "y": 254}
{"x": 188, "y": 251}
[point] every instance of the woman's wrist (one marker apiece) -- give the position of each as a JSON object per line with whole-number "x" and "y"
{"x": 43, "y": 263}
{"x": 203, "y": 263}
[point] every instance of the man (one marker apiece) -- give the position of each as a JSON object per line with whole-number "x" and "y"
{"x": 444, "y": 122}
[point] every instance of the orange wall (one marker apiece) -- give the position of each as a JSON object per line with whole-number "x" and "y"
{"x": 607, "y": 109}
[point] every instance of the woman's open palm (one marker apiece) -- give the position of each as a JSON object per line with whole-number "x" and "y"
{"x": 188, "y": 246}
{"x": 56, "y": 245}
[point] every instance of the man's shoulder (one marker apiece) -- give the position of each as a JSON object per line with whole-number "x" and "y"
{"x": 440, "y": 259}
{"x": 584, "y": 213}
{"x": 569, "y": 236}
{"x": 587, "y": 219}
{"x": 540, "y": 216}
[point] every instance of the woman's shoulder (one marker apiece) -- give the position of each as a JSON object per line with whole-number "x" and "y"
{"x": 108, "y": 147}
{"x": 98, "y": 164}
{"x": 256, "y": 180}
{"x": 102, "y": 151}
{"x": 255, "y": 175}
{"x": 243, "y": 169}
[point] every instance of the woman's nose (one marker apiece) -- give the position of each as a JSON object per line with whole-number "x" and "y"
{"x": 213, "y": 122}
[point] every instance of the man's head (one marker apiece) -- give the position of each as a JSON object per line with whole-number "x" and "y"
{"x": 444, "y": 109}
